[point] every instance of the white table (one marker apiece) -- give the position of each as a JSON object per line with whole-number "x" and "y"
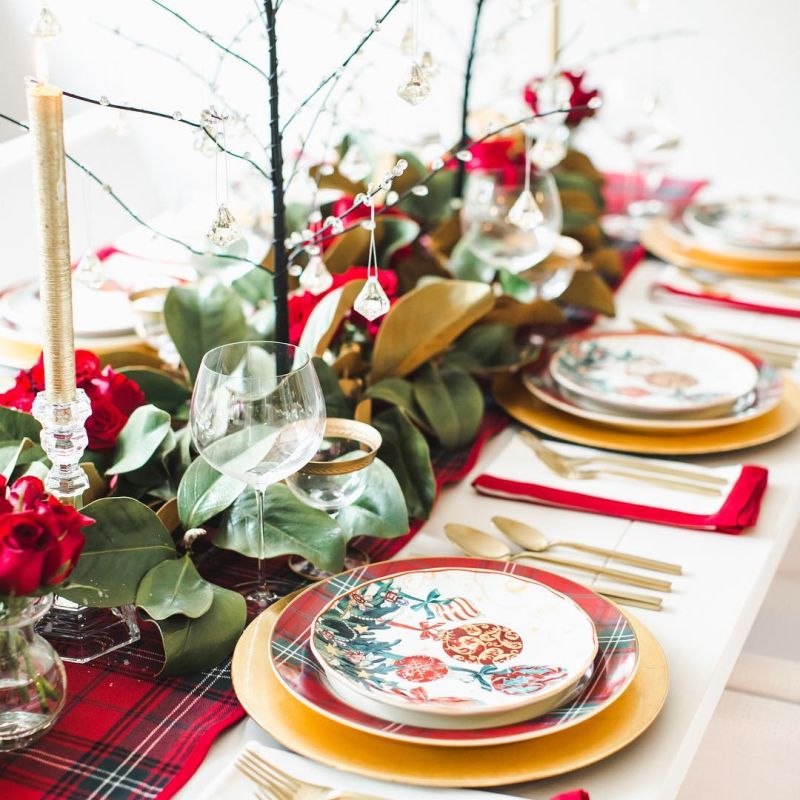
{"x": 705, "y": 620}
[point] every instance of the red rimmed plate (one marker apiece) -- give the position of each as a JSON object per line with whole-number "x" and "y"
{"x": 293, "y": 661}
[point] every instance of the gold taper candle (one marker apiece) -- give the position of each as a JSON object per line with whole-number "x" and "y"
{"x": 555, "y": 31}
{"x": 46, "y": 120}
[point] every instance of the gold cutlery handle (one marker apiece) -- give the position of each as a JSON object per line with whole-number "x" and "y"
{"x": 675, "y": 472}
{"x": 630, "y": 599}
{"x": 620, "y": 575}
{"x": 667, "y": 484}
{"x": 626, "y": 558}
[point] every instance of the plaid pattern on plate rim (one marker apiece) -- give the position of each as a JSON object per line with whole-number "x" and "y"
{"x": 128, "y": 733}
{"x": 291, "y": 657}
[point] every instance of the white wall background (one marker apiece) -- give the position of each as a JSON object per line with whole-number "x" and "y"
{"x": 730, "y": 86}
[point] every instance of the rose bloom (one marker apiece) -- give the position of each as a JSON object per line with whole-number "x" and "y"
{"x": 113, "y": 396}
{"x": 40, "y": 538}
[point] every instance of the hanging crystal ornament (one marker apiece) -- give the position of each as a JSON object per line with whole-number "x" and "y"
{"x": 525, "y": 213}
{"x": 429, "y": 65}
{"x": 205, "y": 135}
{"x": 550, "y": 148}
{"x": 224, "y": 229}
{"x": 90, "y": 271}
{"x": 315, "y": 278}
{"x": 354, "y": 166}
{"x": 372, "y": 301}
{"x": 45, "y": 26}
{"x": 407, "y": 42}
{"x": 415, "y": 88}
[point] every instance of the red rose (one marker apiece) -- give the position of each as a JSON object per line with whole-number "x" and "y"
{"x": 104, "y": 425}
{"x": 579, "y": 97}
{"x": 21, "y": 396}
{"x": 116, "y": 388}
{"x": 26, "y": 493}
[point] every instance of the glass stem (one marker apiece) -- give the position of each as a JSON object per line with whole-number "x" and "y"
{"x": 261, "y": 589}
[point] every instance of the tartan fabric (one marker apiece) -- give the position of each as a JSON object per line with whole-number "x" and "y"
{"x": 128, "y": 733}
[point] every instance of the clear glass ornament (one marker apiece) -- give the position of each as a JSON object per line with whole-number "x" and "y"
{"x": 408, "y": 43}
{"x": 400, "y": 167}
{"x": 550, "y": 148}
{"x": 90, "y": 271}
{"x": 416, "y": 87}
{"x": 335, "y": 224}
{"x": 223, "y": 230}
{"x": 353, "y": 165}
{"x": 104, "y": 101}
{"x": 429, "y": 65}
{"x": 420, "y": 191}
{"x": 46, "y": 25}
{"x": 372, "y": 301}
{"x": 525, "y": 213}
{"x": 316, "y": 278}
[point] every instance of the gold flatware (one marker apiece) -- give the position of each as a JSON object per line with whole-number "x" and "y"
{"x": 279, "y": 785}
{"x": 641, "y": 325}
{"x": 571, "y": 467}
{"x": 481, "y": 545}
{"x": 533, "y": 540}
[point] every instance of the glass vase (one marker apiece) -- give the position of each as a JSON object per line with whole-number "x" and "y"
{"x": 32, "y": 680}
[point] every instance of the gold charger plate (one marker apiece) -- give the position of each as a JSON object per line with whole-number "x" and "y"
{"x": 306, "y": 732}
{"x": 512, "y": 395}
{"x": 661, "y": 240}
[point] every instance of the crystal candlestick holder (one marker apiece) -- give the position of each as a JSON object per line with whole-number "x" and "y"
{"x": 78, "y": 633}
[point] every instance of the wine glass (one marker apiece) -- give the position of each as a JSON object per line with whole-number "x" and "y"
{"x": 257, "y": 415}
{"x": 512, "y": 223}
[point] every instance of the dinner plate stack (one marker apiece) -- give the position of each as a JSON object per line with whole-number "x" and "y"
{"x": 380, "y": 667}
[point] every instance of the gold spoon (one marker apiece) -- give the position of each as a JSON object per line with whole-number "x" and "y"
{"x": 481, "y": 545}
{"x": 533, "y": 540}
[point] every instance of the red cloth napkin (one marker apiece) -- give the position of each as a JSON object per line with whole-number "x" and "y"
{"x": 739, "y": 511}
{"x": 722, "y": 299}
{"x": 620, "y": 189}
{"x": 575, "y": 794}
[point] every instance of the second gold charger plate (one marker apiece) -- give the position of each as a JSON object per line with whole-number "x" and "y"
{"x": 511, "y": 394}
{"x": 315, "y": 736}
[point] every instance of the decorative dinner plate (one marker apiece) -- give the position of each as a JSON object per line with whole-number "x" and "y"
{"x": 769, "y": 390}
{"x": 512, "y": 395}
{"x": 653, "y": 373}
{"x": 303, "y": 730}
{"x": 757, "y": 222}
{"x": 302, "y": 675}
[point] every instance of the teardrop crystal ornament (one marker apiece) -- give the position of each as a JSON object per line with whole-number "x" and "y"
{"x": 223, "y": 230}
{"x": 416, "y": 88}
{"x": 316, "y": 278}
{"x": 90, "y": 271}
{"x": 353, "y": 165}
{"x": 525, "y": 213}
{"x": 429, "y": 65}
{"x": 46, "y": 26}
{"x": 372, "y": 301}
{"x": 549, "y": 150}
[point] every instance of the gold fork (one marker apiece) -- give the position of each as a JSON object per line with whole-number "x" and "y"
{"x": 276, "y": 784}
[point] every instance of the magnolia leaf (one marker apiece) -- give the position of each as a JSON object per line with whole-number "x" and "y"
{"x": 255, "y": 286}
{"x": 168, "y": 514}
{"x": 16, "y": 425}
{"x": 348, "y": 250}
{"x": 174, "y": 587}
{"x": 200, "y": 318}
{"x": 289, "y": 527}
{"x": 578, "y": 201}
{"x": 575, "y": 182}
{"x": 580, "y": 163}
{"x": 465, "y": 265}
{"x": 336, "y": 404}
{"x": 381, "y": 508}
{"x": 327, "y": 316}
{"x": 445, "y": 236}
{"x": 159, "y": 387}
{"x": 489, "y": 347}
{"x": 590, "y": 235}
{"x": 397, "y": 392}
{"x": 196, "y": 645}
{"x": 509, "y": 311}
{"x": 97, "y": 485}
{"x": 608, "y": 262}
{"x": 424, "y": 322}
{"x": 434, "y": 207}
{"x": 406, "y": 452}
{"x": 203, "y": 493}
{"x": 125, "y": 543}
{"x": 391, "y": 234}
{"x": 142, "y": 435}
{"x": 516, "y": 287}
{"x": 588, "y": 290}
{"x": 11, "y": 454}
{"x": 415, "y": 265}
{"x": 36, "y": 469}
{"x": 452, "y": 403}
{"x": 118, "y": 359}
{"x": 179, "y": 458}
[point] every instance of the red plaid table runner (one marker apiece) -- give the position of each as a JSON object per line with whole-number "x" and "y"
{"x": 127, "y": 733}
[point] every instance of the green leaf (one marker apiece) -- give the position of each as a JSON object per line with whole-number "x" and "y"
{"x": 16, "y": 425}
{"x": 452, "y": 403}
{"x": 200, "y": 318}
{"x": 397, "y": 392}
{"x": 490, "y": 346}
{"x": 203, "y": 493}
{"x": 160, "y": 389}
{"x": 14, "y": 453}
{"x": 406, "y": 452}
{"x": 138, "y": 441}
{"x": 435, "y": 206}
{"x": 582, "y": 183}
{"x": 125, "y": 543}
{"x": 255, "y": 286}
{"x": 467, "y": 266}
{"x": 195, "y": 645}
{"x": 516, "y": 287}
{"x": 289, "y": 527}
{"x": 174, "y": 587}
{"x": 336, "y": 404}
{"x": 395, "y": 232}
{"x": 381, "y": 509}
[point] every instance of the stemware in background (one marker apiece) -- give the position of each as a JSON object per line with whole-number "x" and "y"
{"x": 147, "y": 306}
{"x": 335, "y": 478}
{"x": 257, "y": 415}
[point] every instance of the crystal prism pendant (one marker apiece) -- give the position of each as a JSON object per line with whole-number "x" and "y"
{"x": 372, "y": 301}
{"x": 429, "y": 66}
{"x": 353, "y": 165}
{"x": 46, "y": 26}
{"x": 223, "y": 230}
{"x": 549, "y": 150}
{"x": 90, "y": 271}
{"x": 525, "y": 213}
{"x": 416, "y": 88}
{"x": 316, "y": 278}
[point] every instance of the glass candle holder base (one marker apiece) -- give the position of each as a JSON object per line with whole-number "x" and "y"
{"x": 80, "y": 633}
